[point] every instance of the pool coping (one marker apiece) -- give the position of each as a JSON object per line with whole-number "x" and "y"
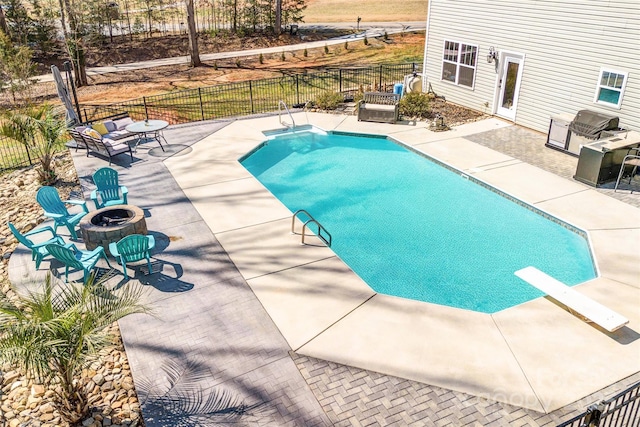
{"x": 324, "y": 311}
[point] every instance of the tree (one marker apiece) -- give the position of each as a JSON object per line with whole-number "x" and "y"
{"x": 41, "y": 130}
{"x": 52, "y": 336}
{"x": 74, "y": 41}
{"x": 194, "y": 52}
{"x": 3, "y": 22}
{"x": 292, "y": 11}
{"x": 16, "y": 67}
{"x": 18, "y": 21}
{"x": 278, "y": 24}
{"x": 43, "y": 30}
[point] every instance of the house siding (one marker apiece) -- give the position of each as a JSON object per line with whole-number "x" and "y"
{"x": 565, "y": 44}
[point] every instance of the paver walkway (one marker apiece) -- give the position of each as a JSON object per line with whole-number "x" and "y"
{"x": 210, "y": 324}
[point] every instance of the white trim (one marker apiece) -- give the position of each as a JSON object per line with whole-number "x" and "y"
{"x": 458, "y": 63}
{"x": 426, "y": 44}
{"x": 519, "y": 57}
{"x": 625, "y": 75}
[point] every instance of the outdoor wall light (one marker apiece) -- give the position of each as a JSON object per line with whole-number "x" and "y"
{"x": 492, "y": 56}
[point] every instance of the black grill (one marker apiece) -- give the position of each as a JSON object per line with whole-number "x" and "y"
{"x": 590, "y": 124}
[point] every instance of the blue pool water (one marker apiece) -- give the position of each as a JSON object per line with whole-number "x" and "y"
{"x": 414, "y": 229}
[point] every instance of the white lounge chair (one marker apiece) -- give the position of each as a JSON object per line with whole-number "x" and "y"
{"x": 581, "y": 304}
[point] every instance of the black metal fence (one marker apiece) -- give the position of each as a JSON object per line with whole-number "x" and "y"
{"x": 622, "y": 410}
{"x": 13, "y": 155}
{"x": 253, "y": 97}
{"x": 231, "y": 100}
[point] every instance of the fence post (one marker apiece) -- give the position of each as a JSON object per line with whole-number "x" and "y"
{"x": 340, "y": 80}
{"x": 201, "y": 107}
{"x": 297, "y": 90}
{"x": 380, "y": 80}
{"x": 146, "y": 112}
{"x": 593, "y": 415}
{"x": 251, "y": 97}
{"x": 26, "y": 147}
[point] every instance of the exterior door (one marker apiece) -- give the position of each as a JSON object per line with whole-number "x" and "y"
{"x": 509, "y": 85}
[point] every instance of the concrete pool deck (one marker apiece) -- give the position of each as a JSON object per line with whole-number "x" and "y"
{"x": 536, "y": 355}
{"x": 208, "y": 316}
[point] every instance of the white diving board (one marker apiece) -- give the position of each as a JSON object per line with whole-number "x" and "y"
{"x": 581, "y": 304}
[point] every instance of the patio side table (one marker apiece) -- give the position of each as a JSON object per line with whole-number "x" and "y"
{"x": 148, "y": 127}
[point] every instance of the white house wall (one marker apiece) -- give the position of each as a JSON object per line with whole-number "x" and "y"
{"x": 565, "y": 43}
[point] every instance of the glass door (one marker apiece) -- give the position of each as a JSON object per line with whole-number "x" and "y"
{"x": 509, "y": 86}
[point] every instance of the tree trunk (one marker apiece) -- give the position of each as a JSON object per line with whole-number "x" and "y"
{"x": 63, "y": 20}
{"x": 194, "y": 52}
{"x": 3, "y": 23}
{"x": 75, "y": 47}
{"x": 278, "y": 25}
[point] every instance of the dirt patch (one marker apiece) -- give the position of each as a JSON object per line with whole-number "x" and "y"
{"x": 123, "y": 86}
{"x": 123, "y": 49}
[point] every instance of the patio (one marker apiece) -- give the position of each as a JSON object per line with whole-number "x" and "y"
{"x": 306, "y": 353}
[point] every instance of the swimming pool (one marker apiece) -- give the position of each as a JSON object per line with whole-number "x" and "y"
{"x": 414, "y": 229}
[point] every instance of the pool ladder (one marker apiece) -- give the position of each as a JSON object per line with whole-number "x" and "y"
{"x": 326, "y": 237}
{"x": 282, "y": 104}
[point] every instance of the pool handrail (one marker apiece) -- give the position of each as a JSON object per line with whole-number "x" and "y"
{"x": 327, "y": 240}
{"x": 281, "y": 103}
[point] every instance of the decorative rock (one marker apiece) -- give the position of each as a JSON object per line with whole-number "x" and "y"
{"x": 11, "y": 376}
{"x": 37, "y": 390}
{"x": 98, "y": 379}
{"x": 47, "y": 417}
{"x": 21, "y": 402}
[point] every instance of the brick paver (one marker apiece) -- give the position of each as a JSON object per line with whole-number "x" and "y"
{"x": 210, "y": 322}
{"x": 395, "y": 401}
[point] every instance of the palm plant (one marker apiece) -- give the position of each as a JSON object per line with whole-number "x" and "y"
{"x": 54, "y": 334}
{"x": 41, "y": 130}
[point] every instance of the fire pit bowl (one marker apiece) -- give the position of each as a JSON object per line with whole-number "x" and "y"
{"x": 110, "y": 224}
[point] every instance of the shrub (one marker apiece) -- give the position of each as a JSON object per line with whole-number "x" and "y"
{"x": 54, "y": 335}
{"x": 386, "y": 36}
{"x": 415, "y": 104}
{"x": 238, "y": 63}
{"x": 305, "y": 53}
{"x": 282, "y": 57}
{"x": 358, "y": 96}
{"x": 329, "y": 100}
{"x": 366, "y": 41}
{"x": 41, "y": 130}
{"x": 326, "y": 49}
{"x": 346, "y": 45}
{"x": 261, "y": 59}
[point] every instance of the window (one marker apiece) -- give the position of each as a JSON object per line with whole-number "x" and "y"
{"x": 459, "y": 63}
{"x": 610, "y": 87}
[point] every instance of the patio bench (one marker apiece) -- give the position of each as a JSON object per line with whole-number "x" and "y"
{"x": 379, "y": 107}
{"x": 104, "y": 146}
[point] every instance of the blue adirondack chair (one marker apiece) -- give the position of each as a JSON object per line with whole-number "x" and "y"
{"x": 56, "y": 208}
{"x": 38, "y": 250}
{"x": 132, "y": 248}
{"x": 73, "y": 257}
{"x": 108, "y": 192}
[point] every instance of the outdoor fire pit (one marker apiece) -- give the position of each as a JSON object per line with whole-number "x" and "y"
{"x": 110, "y": 224}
